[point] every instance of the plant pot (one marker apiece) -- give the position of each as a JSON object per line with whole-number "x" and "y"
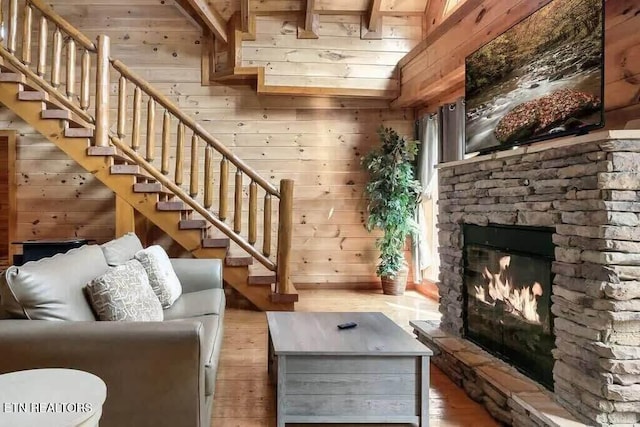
{"x": 395, "y": 285}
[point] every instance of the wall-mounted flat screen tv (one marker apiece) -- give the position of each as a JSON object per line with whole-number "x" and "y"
{"x": 540, "y": 79}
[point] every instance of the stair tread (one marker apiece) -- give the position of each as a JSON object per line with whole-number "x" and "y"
{"x": 133, "y": 170}
{"x": 150, "y": 187}
{"x": 216, "y": 242}
{"x": 238, "y": 260}
{"x": 78, "y": 132}
{"x": 262, "y": 279}
{"x": 193, "y": 224}
{"x": 172, "y": 206}
{"x": 33, "y": 95}
{"x": 12, "y": 78}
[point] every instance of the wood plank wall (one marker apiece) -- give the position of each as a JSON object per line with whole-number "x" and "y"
{"x": 337, "y": 59}
{"x": 4, "y": 198}
{"x": 317, "y": 142}
{"x": 436, "y": 74}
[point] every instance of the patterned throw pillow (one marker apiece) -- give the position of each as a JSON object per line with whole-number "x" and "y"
{"x": 124, "y": 293}
{"x": 162, "y": 278}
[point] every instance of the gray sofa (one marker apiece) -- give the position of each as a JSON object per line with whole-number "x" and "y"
{"x": 157, "y": 373}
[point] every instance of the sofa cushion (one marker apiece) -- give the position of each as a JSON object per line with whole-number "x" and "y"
{"x": 162, "y": 278}
{"x": 52, "y": 288}
{"x": 211, "y": 345}
{"x": 122, "y": 249}
{"x": 193, "y": 304}
{"x": 123, "y": 294}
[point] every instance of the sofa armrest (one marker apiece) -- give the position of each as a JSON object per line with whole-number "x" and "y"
{"x": 154, "y": 371}
{"x": 198, "y": 274}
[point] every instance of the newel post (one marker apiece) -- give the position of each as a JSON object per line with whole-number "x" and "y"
{"x": 285, "y": 231}
{"x": 102, "y": 92}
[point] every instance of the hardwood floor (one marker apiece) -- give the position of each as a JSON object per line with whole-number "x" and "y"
{"x": 244, "y": 397}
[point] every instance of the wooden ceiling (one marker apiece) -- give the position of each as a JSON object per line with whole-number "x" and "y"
{"x": 214, "y": 14}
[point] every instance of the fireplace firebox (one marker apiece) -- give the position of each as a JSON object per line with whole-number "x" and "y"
{"x": 507, "y": 295}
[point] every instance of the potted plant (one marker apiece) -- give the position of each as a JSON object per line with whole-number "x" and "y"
{"x": 393, "y": 194}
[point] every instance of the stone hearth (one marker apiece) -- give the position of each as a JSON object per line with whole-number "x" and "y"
{"x": 588, "y": 189}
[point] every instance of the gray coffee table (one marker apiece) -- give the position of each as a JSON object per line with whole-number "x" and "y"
{"x": 374, "y": 373}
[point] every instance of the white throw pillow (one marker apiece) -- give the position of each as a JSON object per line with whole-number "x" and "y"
{"x": 123, "y": 294}
{"x": 162, "y": 278}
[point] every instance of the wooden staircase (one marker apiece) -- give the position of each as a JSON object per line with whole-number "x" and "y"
{"x": 64, "y": 119}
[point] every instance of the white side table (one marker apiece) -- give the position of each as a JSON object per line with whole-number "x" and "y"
{"x": 51, "y": 397}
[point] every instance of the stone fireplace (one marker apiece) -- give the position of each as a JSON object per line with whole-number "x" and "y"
{"x": 564, "y": 311}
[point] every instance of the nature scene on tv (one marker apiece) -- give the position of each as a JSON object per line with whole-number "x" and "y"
{"x": 541, "y": 77}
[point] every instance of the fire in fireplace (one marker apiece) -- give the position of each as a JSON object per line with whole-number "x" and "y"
{"x": 507, "y": 290}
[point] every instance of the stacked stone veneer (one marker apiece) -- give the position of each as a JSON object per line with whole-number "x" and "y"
{"x": 589, "y": 190}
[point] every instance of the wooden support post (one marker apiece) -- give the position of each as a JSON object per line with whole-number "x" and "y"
{"x": 253, "y": 212}
{"x": 311, "y": 22}
{"x": 245, "y": 11}
{"x": 125, "y": 217}
{"x": 71, "y": 68}
{"x": 13, "y": 25}
{"x": 26, "y": 34}
{"x": 102, "y": 92}
{"x": 285, "y": 231}
{"x": 266, "y": 238}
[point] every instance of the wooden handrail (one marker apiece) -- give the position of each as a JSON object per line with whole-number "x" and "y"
{"x": 140, "y": 161}
{"x": 193, "y": 125}
{"x": 64, "y": 26}
{"x": 59, "y": 96}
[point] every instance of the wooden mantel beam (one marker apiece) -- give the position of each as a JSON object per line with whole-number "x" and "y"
{"x": 371, "y": 27}
{"x": 209, "y": 16}
{"x": 311, "y": 22}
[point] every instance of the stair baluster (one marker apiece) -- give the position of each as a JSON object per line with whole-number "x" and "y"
{"x": 13, "y": 25}
{"x": 137, "y": 107}
{"x": 85, "y": 75}
{"x": 42, "y": 47}
{"x": 224, "y": 188}
{"x": 151, "y": 130}
{"x": 179, "y": 155}
{"x": 208, "y": 177}
{"x": 166, "y": 148}
{"x": 237, "y": 208}
{"x": 266, "y": 224}
{"x": 26, "y": 34}
{"x": 195, "y": 164}
{"x": 122, "y": 107}
{"x": 56, "y": 58}
{"x": 71, "y": 68}
{"x": 253, "y": 212}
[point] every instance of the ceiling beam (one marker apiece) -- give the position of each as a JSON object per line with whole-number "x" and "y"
{"x": 311, "y": 22}
{"x": 208, "y": 15}
{"x": 371, "y": 25}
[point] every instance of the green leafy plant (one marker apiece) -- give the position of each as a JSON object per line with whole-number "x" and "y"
{"x": 393, "y": 194}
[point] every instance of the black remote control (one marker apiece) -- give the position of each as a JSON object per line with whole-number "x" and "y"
{"x": 348, "y": 325}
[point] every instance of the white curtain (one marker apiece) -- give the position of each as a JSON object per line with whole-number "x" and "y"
{"x": 424, "y": 248}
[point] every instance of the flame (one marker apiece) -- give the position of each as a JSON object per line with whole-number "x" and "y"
{"x": 519, "y": 302}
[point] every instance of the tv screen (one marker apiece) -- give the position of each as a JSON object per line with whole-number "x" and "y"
{"x": 540, "y": 79}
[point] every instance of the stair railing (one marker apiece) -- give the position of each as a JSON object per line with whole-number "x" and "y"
{"x": 48, "y": 77}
